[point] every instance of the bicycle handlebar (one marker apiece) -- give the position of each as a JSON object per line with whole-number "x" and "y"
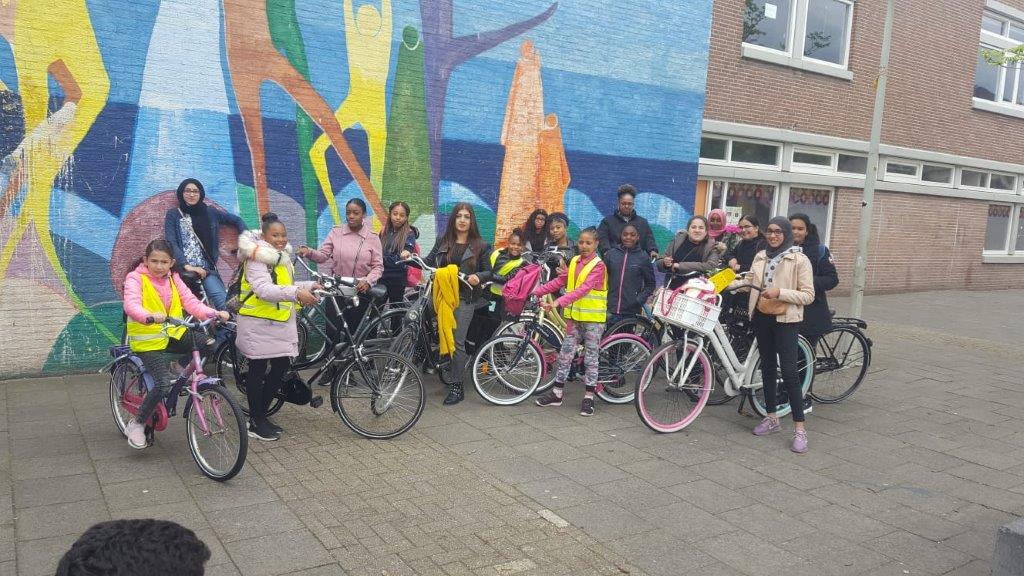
{"x": 418, "y": 262}
{"x": 192, "y": 325}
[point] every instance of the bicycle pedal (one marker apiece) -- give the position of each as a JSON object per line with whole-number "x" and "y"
{"x": 316, "y": 401}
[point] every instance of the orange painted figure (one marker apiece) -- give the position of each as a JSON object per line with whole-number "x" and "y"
{"x": 553, "y": 169}
{"x": 252, "y": 59}
{"x": 524, "y": 116}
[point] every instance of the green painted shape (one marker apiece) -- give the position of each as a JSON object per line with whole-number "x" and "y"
{"x": 286, "y": 35}
{"x": 82, "y": 345}
{"x": 407, "y": 152}
{"x": 662, "y": 235}
{"x": 247, "y": 210}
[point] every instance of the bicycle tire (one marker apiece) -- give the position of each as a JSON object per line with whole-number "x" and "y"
{"x": 842, "y": 351}
{"x": 380, "y": 332}
{"x": 225, "y": 424}
{"x": 640, "y": 326}
{"x": 125, "y": 378}
{"x": 665, "y": 406}
{"x": 232, "y": 368}
{"x": 622, "y": 358}
{"x": 507, "y": 370}
{"x": 550, "y": 343}
{"x": 805, "y": 360}
{"x": 369, "y": 389}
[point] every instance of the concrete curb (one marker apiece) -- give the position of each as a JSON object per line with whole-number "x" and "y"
{"x": 1008, "y": 558}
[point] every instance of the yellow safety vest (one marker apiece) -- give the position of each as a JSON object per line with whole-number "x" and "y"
{"x": 593, "y": 307}
{"x": 257, "y": 308}
{"x": 153, "y": 337}
{"x": 508, "y": 267}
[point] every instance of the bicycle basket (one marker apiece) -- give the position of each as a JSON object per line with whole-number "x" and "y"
{"x": 678, "y": 309}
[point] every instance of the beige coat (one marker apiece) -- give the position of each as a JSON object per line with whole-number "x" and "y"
{"x": 794, "y": 279}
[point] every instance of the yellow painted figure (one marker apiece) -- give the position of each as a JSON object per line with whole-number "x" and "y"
{"x": 368, "y": 45}
{"x": 58, "y": 41}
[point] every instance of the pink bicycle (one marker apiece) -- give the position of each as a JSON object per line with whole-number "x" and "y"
{"x": 214, "y": 423}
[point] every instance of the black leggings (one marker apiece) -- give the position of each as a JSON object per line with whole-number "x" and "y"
{"x": 779, "y": 338}
{"x": 261, "y": 386}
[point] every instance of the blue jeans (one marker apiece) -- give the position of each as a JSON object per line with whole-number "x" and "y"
{"x": 215, "y": 290}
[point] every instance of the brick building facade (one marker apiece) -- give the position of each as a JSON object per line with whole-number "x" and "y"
{"x": 948, "y": 202}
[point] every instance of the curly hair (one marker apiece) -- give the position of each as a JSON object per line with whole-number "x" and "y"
{"x": 131, "y": 547}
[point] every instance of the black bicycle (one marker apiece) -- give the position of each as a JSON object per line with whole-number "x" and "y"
{"x": 842, "y": 357}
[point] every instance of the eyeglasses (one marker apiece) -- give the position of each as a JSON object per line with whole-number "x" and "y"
{"x": 747, "y": 227}
{"x": 190, "y": 192}
{"x": 772, "y": 232}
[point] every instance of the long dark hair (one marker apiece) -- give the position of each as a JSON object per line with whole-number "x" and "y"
{"x": 812, "y": 230}
{"x": 399, "y": 235}
{"x": 536, "y": 239}
{"x": 450, "y": 236}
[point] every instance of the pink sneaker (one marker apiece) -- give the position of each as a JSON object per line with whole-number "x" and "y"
{"x": 767, "y": 426}
{"x": 799, "y": 442}
{"x": 136, "y": 434}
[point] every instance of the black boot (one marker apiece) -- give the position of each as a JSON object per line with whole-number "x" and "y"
{"x": 455, "y": 394}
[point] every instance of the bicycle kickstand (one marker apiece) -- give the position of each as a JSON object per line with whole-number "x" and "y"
{"x": 743, "y": 402}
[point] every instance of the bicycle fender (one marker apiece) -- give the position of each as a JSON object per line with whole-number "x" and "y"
{"x": 204, "y": 384}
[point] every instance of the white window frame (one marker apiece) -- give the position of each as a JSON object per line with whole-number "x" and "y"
{"x": 778, "y": 156}
{"x": 859, "y": 174}
{"x": 814, "y": 168}
{"x": 1012, "y": 190}
{"x": 728, "y": 151}
{"x": 725, "y": 192}
{"x": 901, "y": 177}
{"x": 1011, "y": 231}
{"x": 793, "y": 56}
{"x": 948, "y": 184}
{"x": 992, "y": 41}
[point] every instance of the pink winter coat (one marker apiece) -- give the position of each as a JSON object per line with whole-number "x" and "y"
{"x": 358, "y": 254}
{"x": 133, "y": 295}
{"x": 258, "y": 337}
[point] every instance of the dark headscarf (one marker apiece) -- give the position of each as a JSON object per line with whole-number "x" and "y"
{"x": 787, "y": 236}
{"x": 200, "y": 215}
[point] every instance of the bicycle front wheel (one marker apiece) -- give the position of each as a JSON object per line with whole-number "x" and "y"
{"x": 805, "y": 375}
{"x": 233, "y": 369}
{"x": 217, "y": 435}
{"x": 841, "y": 361}
{"x": 548, "y": 339}
{"x": 381, "y": 331}
{"x": 673, "y": 387}
{"x": 379, "y": 395}
{"x": 507, "y": 370}
{"x": 638, "y": 325}
{"x": 621, "y": 360}
{"x": 127, "y": 390}
{"x": 312, "y": 343}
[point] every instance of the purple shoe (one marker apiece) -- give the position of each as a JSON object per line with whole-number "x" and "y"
{"x": 767, "y": 426}
{"x": 799, "y": 442}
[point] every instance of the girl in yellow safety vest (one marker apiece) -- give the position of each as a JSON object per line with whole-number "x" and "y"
{"x": 152, "y": 294}
{"x": 585, "y": 307}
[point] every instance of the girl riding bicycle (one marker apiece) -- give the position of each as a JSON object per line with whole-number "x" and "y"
{"x": 585, "y": 306}
{"x": 152, "y": 294}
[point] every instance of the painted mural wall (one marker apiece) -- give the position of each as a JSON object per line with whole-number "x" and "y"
{"x": 296, "y": 106}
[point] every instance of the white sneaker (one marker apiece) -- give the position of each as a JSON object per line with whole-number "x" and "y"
{"x": 136, "y": 434}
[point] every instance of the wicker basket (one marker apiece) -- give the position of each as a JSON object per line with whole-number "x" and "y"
{"x": 685, "y": 312}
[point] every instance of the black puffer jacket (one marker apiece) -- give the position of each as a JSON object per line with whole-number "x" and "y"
{"x": 817, "y": 316}
{"x": 395, "y": 273}
{"x": 610, "y": 231}
{"x": 630, "y": 279}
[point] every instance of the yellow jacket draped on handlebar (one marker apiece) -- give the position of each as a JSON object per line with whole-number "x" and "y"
{"x": 446, "y": 299}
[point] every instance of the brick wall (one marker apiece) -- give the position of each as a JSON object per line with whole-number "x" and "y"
{"x": 918, "y": 243}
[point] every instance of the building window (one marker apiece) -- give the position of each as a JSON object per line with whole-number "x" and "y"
{"x": 994, "y": 83}
{"x": 816, "y": 204}
{"x": 809, "y": 34}
{"x": 997, "y": 230}
{"x": 741, "y": 198}
{"x": 813, "y": 160}
{"x": 754, "y": 153}
{"x": 988, "y": 180}
{"x": 900, "y": 170}
{"x": 713, "y": 148}
{"x": 937, "y": 174}
{"x": 851, "y": 164}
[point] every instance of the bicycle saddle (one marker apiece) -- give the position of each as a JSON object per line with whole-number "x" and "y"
{"x": 378, "y": 292}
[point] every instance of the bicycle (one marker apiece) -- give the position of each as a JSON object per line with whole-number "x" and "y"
{"x": 376, "y": 393}
{"x": 842, "y": 357}
{"x": 508, "y": 368}
{"x": 215, "y": 426}
{"x": 315, "y": 324}
{"x": 684, "y": 370}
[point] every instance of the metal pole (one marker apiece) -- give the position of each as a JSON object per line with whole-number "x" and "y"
{"x": 864, "y": 233}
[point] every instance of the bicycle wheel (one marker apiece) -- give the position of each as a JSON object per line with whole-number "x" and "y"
{"x": 841, "y": 361}
{"x": 127, "y": 388}
{"x": 233, "y": 369}
{"x": 507, "y": 370}
{"x": 217, "y": 435}
{"x": 639, "y": 326}
{"x": 621, "y": 360}
{"x": 549, "y": 339}
{"x": 673, "y": 387}
{"x": 379, "y": 395}
{"x": 380, "y": 332}
{"x": 805, "y": 372}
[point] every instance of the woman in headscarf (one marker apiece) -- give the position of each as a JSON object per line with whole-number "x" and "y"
{"x": 782, "y": 283}
{"x": 720, "y": 230}
{"x": 193, "y": 230}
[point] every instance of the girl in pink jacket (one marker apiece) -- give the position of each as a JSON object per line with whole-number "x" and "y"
{"x": 152, "y": 293}
{"x": 267, "y": 335}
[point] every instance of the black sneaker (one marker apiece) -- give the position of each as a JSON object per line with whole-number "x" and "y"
{"x": 587, "y": 408}
{"x": 808, "y": 407}
{"x": 261, "y": 431}
{"x": 277, "y": 429}
{"x": 549, "y": 399}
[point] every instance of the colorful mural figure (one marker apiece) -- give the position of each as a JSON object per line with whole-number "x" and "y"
{"x": 253, "y": 59}
{"x": 60, "y": 42}
{"x": 444, "y": 52}
{"x": 524, "y": 115}
{"x": 105, "y": 105}
{"x": 407, "y": 174}
{"x": 368, "y": 41}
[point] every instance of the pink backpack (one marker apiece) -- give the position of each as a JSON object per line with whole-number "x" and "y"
{"x": 517, "y": 290}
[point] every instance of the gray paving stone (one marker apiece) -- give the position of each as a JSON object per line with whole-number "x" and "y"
{"x": 144, "y": 493}
{"x": 278, "y": 553}
{"x": 40, "y": 557}
{"x": 44, "y": 491}
{"x": 254, "y": 521}
{"x": 605, "y": 520}
{"x": 561, "y": 492}
{"x": 919, "y": 553}
{"x": 710, "y": 496}
{"x": 518, "y": 469}
{"x": 59, "y": 519}
{"x": 70, "y": 465}
{"x": 849, "y": 524}
{"x": 659, "y": 553}
{"x": 589, "y": 471}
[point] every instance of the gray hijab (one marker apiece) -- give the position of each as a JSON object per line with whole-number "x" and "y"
{"x": 787, "y": 236}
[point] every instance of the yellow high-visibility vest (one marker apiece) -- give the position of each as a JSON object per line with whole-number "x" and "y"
{"x": 153, "y": 337}
{"x": 505, "y": 269}
{"x": 593, "y": 307}
{"x": 257, "y": 308}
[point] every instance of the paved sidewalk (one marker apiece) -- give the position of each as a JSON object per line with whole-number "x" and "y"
{"x": 911, "y": 475}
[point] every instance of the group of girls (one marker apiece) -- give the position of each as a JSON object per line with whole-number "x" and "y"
{"x": 592, "y": 289}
